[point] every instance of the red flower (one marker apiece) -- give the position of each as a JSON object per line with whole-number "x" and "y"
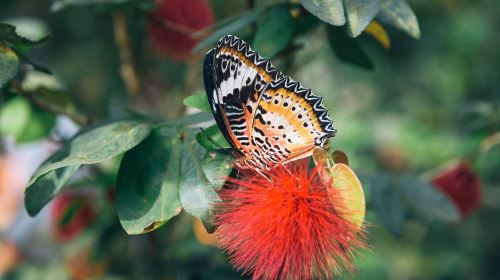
{"x": 174, "y": 21}
{"x": 286, "y": 227}
{"x": 71, "y": 214}
{"x": 462, "y": 185}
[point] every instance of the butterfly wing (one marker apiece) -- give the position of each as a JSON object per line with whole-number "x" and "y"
{"x": 289, "y": 122}
{"x": 234, "y": 77}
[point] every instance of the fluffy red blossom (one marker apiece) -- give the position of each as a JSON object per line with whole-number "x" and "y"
{"x": 286, "y": 226}
{"x": 71, "y": 214}
{"x": 174, "y": 21}
{"x": 462, "y": 185}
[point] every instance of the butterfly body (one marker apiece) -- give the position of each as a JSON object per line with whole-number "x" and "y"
{"x": 267, "y": 117}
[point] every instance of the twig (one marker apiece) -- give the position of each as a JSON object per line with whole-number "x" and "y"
{"x": 127, "y": 70}
{"x": 75, "y": 117}
{"x": 174, "y": 26}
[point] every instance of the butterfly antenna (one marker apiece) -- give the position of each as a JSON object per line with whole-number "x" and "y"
{"x": 226, "y": 151}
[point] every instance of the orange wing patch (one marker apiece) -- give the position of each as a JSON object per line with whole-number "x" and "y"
{"x": 288, "y": 123}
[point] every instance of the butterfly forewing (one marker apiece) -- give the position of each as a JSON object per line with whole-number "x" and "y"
{"x": 235, "y": 75}
{"x": 267, "y": 117}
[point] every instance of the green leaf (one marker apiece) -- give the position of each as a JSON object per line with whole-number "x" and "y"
{"x": 274, "y": 32}
{"x": 359, "y": 14}
{"x": 194, "y": 119}
{"x": 147, "y": 193}
{"x": 196, "y": 193}
{"x": 46, "y": 187}
{"x": 347, "y": 48}
{"x": 356, "y": 14}
{"x": 216, "y": 167}
{"x": 15, "y": 116}
{"x": 241, "y": 21}
{"x": 305, "y": 22}
{"x": 212, "y": 134}
{"x": 96, "y": 145}
{"x": 198, "y": 101}
{"x": 389, "y": 203}
{"x": 330, "y": 11}
{"x": 428, "y": 200}
{"x": 30, "y": 28}
{"x": 8, "y": 34}
{"x": 59, "y": 5}
{"x": 399, "y": 14}
{"x": 9, "y": 63}
{"x": 39, "y": 126}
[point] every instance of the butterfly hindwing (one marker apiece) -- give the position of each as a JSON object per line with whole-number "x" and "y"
{"x": 289, "y": 122}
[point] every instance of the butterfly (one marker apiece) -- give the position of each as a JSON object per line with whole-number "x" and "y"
{"x": 265, "y": 116}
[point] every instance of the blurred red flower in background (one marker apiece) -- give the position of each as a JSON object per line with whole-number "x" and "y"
{"x": 286, "y": 226}
{"x": 174, "y": 21}
{"x": 71, "y": 214}
{"x": 462, "y": 185}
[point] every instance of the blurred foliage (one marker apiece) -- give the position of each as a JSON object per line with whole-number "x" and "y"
{"x": 406, "y": 110}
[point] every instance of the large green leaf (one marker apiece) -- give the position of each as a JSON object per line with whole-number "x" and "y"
{"x": 388, "y": 202}
{"x": 148, "y": 180}
{"x": 196, "y": 193}
{"x": 359, "y": 14}
{"x": 238, "y": 23}
{"x": 46, "y": 187}
{"x": 347, "y": 48}
{"x": 216, "y": 167}
{"x": 399, "y": 14}
{"x": 96, "y": 145}
{"x": 274, "y": 32}
{"x": 9, "y": 63}
{"x": 330, "y": 11}
{"x": 89, "y": 147}
{"x": 428, "y": 200}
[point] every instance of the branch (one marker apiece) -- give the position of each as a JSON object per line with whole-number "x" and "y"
{"x": 75, "y": 117}
{"x": 127, "y": 70}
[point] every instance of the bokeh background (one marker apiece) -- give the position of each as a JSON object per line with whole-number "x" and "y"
{"x": 427, "y": 105}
